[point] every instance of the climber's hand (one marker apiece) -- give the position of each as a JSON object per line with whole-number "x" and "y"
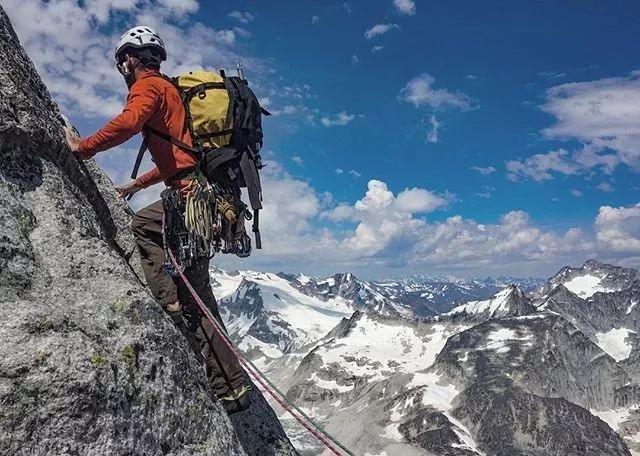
{"x": 128, "y": 190}
{"x": 73, "y": 140}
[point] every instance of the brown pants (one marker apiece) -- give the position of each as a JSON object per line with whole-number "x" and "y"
{"x": 223, "y": 369}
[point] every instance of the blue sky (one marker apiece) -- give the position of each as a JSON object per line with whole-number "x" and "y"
{"x": 458, "y": 137}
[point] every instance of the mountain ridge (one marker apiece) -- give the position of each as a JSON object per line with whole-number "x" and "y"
{"x": 448, "y": 383}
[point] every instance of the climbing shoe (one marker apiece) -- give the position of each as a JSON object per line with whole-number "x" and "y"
{"x": 236, "y": 400}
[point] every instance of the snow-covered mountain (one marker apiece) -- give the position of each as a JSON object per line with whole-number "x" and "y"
{"x": 553, "y": 374}
{"x": 272, "y": 314}
{"x": 267, "y": 315}
{"x": 433, "y": 295}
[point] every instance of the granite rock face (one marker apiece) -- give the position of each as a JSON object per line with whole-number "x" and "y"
{"x": 89, "y": 364}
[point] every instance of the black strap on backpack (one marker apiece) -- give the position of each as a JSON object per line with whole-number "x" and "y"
{"x": 247, "y": 138}
{"x": 175, "y": 141}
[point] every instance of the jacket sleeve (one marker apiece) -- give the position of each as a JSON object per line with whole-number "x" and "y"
{"x": 149, "y": 178}
{"x": 142, "y": 102}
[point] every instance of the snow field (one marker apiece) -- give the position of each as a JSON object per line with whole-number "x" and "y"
{"x": 491, "y": 306}
{"x": 498, "y": 339}
{"x": 369, "y": 347}
{"x": 585, "y": 286}
{"x": 614, "y": 343}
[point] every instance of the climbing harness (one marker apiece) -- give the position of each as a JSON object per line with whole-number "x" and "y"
{"x": 188, "y": 244}
{"x": 327, "y": 440}
{"x": 203, "y": 219}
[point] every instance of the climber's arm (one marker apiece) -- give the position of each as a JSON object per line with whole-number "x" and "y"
{"x": 142, "y": 102}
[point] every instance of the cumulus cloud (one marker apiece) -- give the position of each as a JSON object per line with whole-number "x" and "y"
{"x": 407, "y": 7}
{"x": 339, "y": 213}
{"x": 78, "y": 64}
{"x": 297, "y": 160}
{"x": 420, "y": 92}
{"x": 419, "y": 200}
{"x": 341, "y": 119}
{"x": 391, "y": 231}
{"x": 376, "y": 49}
{"x": 514, "y": 239}
{"x": 379, "y": 29}
{"x": 618, "y": 228}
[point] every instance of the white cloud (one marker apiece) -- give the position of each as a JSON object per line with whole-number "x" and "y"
{"x": 379, "y": 29}
{"x": 485, "y": 171}
{"x": 405, "y": 6}
{"x": 355, "y": 59}
{"x": 297, "y": 160}
{"x": 618, "y": 229}
{"x": 339, "y": 213}
{"x": 605, "y": 187}
{"x": 376, "y": 49}
{"x": 419, "y": 92}
{"x": 339, "y": 171}
{"x": 513, "y": 240}
{"x": 540, "y": 167}
{"x": 434, "y": 130}
{"x": 387, "y": 232}
{"x": 419, "y": 200}
{"x": 341, "y": 119}
{"x": 355, "y": 173}
{"x": 575, "y": 192}
{"x": 244, "y": 17}
{"x": 347, "y": 7}
{"x": 315, "y": 19}
{"x": 601, "y": 113}
{"x": 78, "y": 65}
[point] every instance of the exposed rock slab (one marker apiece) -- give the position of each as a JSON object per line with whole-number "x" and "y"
{"x": 89, "y": 364}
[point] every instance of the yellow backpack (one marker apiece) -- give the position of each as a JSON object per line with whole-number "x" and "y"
{"x": 209, "y": 107}
{"x": 224, "y": 118}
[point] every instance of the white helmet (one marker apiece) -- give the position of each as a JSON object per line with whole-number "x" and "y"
{"x": 138, "y": 38}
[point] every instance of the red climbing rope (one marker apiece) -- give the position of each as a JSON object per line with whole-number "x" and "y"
{"x": 251, "y": 368}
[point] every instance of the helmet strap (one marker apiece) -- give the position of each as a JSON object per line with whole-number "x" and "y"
{"x": 128, "y": 71}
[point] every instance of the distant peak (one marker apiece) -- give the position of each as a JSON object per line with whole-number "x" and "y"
{"x": 595, "y": 264}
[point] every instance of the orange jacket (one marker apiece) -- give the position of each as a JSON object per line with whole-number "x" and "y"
{"x": 155, "y": 102}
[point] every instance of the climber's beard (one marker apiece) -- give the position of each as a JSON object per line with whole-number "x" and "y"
{"x": 126, "y": 69}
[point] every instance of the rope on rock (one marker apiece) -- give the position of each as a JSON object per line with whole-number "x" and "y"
{"x": 266, "y": 384}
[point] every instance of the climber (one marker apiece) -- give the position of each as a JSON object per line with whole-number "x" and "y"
{"x": 156, "y": 103}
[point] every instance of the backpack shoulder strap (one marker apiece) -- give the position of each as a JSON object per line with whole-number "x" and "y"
{"x": 143, "y": 149}
{"x": 175, "y": 141}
